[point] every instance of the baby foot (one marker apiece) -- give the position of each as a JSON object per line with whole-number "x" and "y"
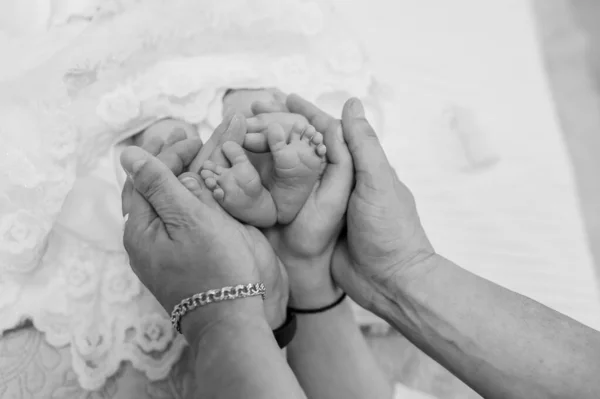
{"x": 238, "y": 189}
{"x": 297, "y": 163}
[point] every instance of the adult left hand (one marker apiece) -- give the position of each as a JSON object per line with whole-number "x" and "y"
{"x": 180, "y": 245}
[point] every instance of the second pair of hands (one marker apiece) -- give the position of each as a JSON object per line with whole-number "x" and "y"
{"x": 383, "y": 227}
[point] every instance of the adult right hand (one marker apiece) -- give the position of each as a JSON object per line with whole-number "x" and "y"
{"x": 385, "y": 241}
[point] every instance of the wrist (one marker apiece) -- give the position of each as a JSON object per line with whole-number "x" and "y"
{"x": 237, "y": 313}
{"x": 310, "y": 281}
{"x": 275, "y": 310}
{"x": 309, "y": 296}
{"x": 407, "y": 285}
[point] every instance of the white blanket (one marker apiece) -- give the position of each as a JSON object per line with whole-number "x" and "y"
{"x": 508, "y": 210}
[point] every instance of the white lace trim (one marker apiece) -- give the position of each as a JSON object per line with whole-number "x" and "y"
{"x": 61, "y": 261}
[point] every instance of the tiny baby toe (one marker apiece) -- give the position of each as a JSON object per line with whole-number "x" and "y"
{"x": 317, "y": 138}
{"x": 299, "y": 126}
{"x": 206, "y": 173}
{"x": 309, "y": 133}
{"x": 211, "y": 183}
{"x": 219, "y": 194}
{"x": 297, "y": 131}
{"x": 321, "y": 150}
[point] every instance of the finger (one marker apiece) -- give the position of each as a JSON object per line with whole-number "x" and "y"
{"x": 279, "y": 95}
{"x": 141, "y": 219}
{"x": 158, "y": 186}
{"x": 195, "y": 185}
{"x": 153, "y": 138}
{"x": 180, "y": 155}
{"x": 154, "y": 145}
{"x": 126, "y": 197}
{"x": 258, "y": 123}
{"x": 190, "y": 131}
{"x": 338, "y": 177}
{"x": 317, "y": 117}
{"x": 209, "y": 147}
{"x": 236, "y": 131}
{"x": 370, "y": 162}
{"x": 178, "y": 134}
{"x": 256, "y": 142}
{"x": 267, "y": 107}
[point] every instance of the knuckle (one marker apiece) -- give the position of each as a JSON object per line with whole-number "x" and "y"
{"x": 171, "y": 160}
{"x": 150, "y": 183}
{"x": 153, "y": 145}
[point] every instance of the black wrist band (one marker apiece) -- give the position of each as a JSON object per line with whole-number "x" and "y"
{"x": 319, "y": 310}
{"x": 287, "y": 332}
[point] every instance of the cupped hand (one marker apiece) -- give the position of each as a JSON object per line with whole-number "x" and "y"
{"x": 385, "y": 240}
{"x": 269, "y": 266}
{"x": 179, "y": 246}
{"x": 306, "y": 245}
{"x": 173, "y": 152}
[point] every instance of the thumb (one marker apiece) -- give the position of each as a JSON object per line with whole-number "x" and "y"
{"x": 371, "y": 165}
{"x": 158, "y": 186}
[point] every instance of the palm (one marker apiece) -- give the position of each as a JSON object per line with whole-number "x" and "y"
{"x": 316, "y": 226}
{"x": 384, "y": 232}
{"x": 270, "y": 268}
{"x": 384, "y": 229}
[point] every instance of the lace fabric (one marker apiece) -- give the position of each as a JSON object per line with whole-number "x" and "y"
{"x": 31, "y": 368}
{"x": 62, "y": 264}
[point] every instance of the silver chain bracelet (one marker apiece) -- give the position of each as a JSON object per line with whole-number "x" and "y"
{"x": 211, "y": 296}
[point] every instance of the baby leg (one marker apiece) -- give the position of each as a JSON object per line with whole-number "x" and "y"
{"x": 297, "y": 163}
{"x": 239, "y": 189}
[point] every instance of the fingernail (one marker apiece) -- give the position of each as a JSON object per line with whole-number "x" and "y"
{"x": 190, "y": 183}
{"x": 137, "y": 165}
{"x": 126, "y": 217}
{"x": 357, "y": 108}
{"x": 234, "y": 121}
{"x": 132, "y": 159}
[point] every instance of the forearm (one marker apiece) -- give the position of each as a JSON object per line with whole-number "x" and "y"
{"x": 331, "y": 358}
{"x": 238, "y": 356}
{"x": 500, "y": 343}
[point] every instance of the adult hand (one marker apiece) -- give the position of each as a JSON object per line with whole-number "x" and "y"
{"x": 385, "y": 240}
{"x": 174, "y": 153}
{"x": 306, "y": 245}
{"x": 180, "y": 246}
{"x": 232, "y": 128}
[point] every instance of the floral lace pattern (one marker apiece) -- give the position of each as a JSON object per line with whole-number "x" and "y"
{"x": 31, "y": 368}
{"x": 61, "y": 262}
